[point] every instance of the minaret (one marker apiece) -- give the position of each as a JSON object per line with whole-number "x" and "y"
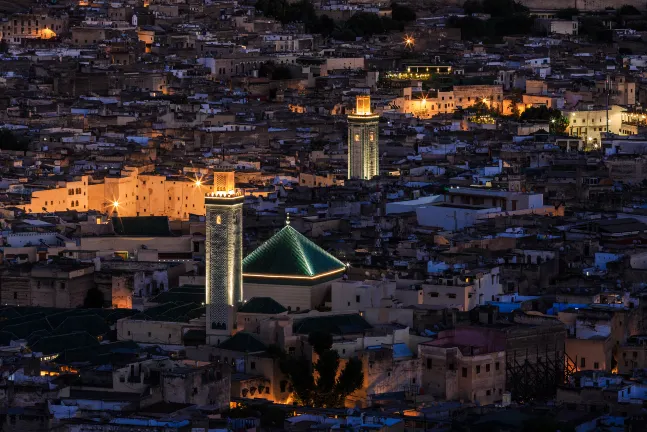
{"x": 224, "y": 252}
{"x": 363, "y": 148}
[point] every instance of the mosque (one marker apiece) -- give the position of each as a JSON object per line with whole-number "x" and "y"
{"x": 289, "y": 268}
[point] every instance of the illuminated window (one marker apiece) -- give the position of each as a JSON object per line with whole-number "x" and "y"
{"x": 371, "y": 136}
{"x": 218, "y": 220}
{"x": 356, "y": 137}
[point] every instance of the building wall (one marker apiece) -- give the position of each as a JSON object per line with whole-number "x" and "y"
{"x": 42, "y": 26}
{"x": 86, "y": 36}
{"x": 468, "y": 95}
{"x": 631, "y": 357}
{"x": 589, "y": 124}
{"x": 293, "y": 297}
{"x": 50, "y": 288}
{"x": 164, "y": 332}
{"x": 203, "y": 386}
{"x": 130, "y": 195}
{"x": 590, "y": 354}
{"x": 449, "y": 374}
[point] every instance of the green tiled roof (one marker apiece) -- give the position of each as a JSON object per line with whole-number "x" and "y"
{"x": 290, "y": 254}
{"x": 243, "y": 342}
{"x": 59, "y": 343}
{"x": 333, "y": 324}
{"x": 141, "y": 226}
{"x": 263, "y": 305}
{"x": 184, "y": 294}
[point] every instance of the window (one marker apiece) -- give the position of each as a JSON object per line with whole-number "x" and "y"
{"x": 433, "y": 294}
{"x": 252, "y": 365}
{"x": 478, "y": 369}
{"x": 451, "y": 295}
{"x": 488, "y": 392}
{"x": 218, "y": 220}
{"x": 15, "y": 295}
{"x": 149, "y": 334}
{"x": 583, "y": 362}
{"x": 464, "y": 372}
{"x": 428, "y": 363}
{"x": 357, "y": 298}
{"x": 487, "y": 367}
{"x": 496, "y": 366}
{"x": 596, "y": 365}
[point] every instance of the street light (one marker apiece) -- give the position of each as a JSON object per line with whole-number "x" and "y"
{"x": 409, "y": 41}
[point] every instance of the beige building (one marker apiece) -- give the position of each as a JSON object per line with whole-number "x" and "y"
{"x": 467, "y": 95}
{"x": 314, "y": 180}
{"x": 31, "y": 26}
{"x": 621, "y": 91}
{"x": 132, "y": 194}
{"x": 590, "y": 123}
{"x": 461, "y": 365}
{"x": 60, "y": 285}
{"x": 632, "y": 355}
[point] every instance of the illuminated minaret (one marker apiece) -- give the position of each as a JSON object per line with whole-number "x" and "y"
{"x": 224, "y": 252}
{"x": 363, "y": 148}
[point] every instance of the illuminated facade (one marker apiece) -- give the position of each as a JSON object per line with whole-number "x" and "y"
{"x": 30, "y": 26}
{"x": 363, "y": 147}
{"x": 224, "y": 254}
{"x": 136, "y": 193}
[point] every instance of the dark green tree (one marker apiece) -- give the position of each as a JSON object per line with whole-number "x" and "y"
{"x": 567, "y": 13}
{"x": 328, "y": 390}
{"x": 9, "y": 141}
{"x": 472, "y": 6}
{"x": 628, "y": 10}
{"x": 320, "y": 341}
{"x": 94, "y": 298}
{"x": 274, "y": 72}
{"x": 558, "y": 123}
{"x": 402, "y": 13}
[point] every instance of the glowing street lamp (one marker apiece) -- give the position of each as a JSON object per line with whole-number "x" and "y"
{"x": 409, "y": 41}
{"x": 115, "y": 204}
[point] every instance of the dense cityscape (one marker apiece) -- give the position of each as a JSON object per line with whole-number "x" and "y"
{"x": 295, "y": 215}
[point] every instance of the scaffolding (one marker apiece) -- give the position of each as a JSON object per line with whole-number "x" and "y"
{"x": 536, "y": 377}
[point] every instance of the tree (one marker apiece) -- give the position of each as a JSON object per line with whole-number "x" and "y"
{"x": 94, "y": 298}
{"x": 329, "y": 389}
{"x": 558, "y": 123}
{"x": 320, "y": 341}
{"x": 567, "y": 13}
{"x": 9, "y": 141}
{"x": 402, "y": 13}
{"x": 628, "y": 10}
{"x": 472, "y": 6}
{"x": 274, "y": 72}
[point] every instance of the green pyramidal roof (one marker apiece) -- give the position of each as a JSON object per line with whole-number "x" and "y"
{"x": 291, "y": 258}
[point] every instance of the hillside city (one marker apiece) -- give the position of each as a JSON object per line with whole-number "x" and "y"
{"x": 320, "y": 215}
